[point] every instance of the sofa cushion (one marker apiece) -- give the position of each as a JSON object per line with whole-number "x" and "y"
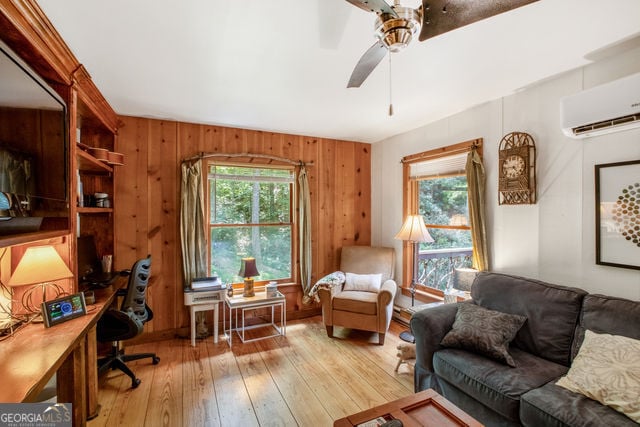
{"x": 492, "y": 383}
{"x": 607, "y": 369}
{"x": 483, "y": 414}
{"x": 551, "y": 311}
{"x": 356, "y": 302}
{"x": 608, "y": 315}
{"x": 551, "y": 405}
{"x": 486, "y": 331}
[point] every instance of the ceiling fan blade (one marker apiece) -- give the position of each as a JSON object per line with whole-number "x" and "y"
{"x": 367, "y": 63}
{"x": 332, "y": 21}
{"x": 440, "y": 16}
{"x": 377, "y": 6}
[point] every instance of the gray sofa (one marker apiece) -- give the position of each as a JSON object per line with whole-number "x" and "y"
{"x": 543, "y": 348}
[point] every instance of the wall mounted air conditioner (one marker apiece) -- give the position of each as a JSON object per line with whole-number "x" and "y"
{"x": 611, "y": 107}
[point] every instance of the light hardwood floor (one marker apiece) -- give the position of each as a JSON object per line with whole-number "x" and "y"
{"x": 303, "y": 379}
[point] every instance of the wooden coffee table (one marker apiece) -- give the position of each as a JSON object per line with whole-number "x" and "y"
{"x": 426, "y": 408}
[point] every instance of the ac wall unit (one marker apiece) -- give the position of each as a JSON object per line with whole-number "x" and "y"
{"x": 607, "y": 108}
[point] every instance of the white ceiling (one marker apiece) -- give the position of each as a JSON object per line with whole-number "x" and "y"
{"x": 283, "y": 65}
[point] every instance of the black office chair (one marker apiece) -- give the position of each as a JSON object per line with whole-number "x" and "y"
{"x": 128, "y": 322}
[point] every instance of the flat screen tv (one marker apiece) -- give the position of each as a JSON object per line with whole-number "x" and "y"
{"x": 33, "y": 142}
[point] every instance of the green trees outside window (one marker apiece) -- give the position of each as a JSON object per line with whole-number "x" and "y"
{"x": 443, "y": 203}
{"x": 251, "y": 216}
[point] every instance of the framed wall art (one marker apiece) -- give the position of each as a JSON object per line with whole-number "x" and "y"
{"x": 618, "y": 214}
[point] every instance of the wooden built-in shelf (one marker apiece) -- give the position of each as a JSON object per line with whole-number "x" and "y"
{"x": 19, "y": 239}
{"x": 93, "y": 210}
{"x": 88, "y": 163}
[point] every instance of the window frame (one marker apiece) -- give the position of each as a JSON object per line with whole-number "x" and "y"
{"x": 293, "y": 208}
{"x": 410, "y": 206}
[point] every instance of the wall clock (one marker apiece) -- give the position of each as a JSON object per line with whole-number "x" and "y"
{"x": 517, "y": 169}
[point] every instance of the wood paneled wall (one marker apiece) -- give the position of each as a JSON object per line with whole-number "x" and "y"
{"x": 147, "y": 205}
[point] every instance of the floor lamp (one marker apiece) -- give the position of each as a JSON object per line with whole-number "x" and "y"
{"x": 414, "y": 231}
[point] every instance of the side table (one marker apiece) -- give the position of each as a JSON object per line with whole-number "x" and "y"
{"x": 203, "y": 300}
{"x": 241, "y": 304}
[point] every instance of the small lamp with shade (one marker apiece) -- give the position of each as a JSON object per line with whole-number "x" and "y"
{"x": 248, "y": 269}
{"x": 40, "y": 267}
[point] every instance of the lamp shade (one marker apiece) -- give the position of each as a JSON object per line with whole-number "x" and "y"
{"x": 39, "y": 264}
{"x": 248, "y": 268}
{"x": 414, "y": 230}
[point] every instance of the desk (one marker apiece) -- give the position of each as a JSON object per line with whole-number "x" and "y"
{"x": 260, "y": 300}
{"x": 34, "y": 354}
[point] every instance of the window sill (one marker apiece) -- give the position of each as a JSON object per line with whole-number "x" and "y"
{"x": 430, "y": 295}
{"x": 425, "y": 296}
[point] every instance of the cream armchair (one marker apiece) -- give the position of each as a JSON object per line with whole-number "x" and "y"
{"x": 356, "y": 309}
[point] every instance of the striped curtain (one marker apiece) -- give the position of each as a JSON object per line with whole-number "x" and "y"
{"x": 304, "y": 230}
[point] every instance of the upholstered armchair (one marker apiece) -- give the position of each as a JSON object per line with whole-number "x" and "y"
{"x": 353, "y": 304}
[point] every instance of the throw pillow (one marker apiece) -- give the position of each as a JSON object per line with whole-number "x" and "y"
{"x": 485, "y": 331}
{"x": 363, "y": 282}
{"x": 607, "y": 369}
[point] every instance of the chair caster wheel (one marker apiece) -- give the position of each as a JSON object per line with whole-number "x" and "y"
{"x": 156, "y": 360}
{"x": 135, "y": 382}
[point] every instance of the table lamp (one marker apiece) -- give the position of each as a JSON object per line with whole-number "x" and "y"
{"x": 413, "y": 230}
{"x": 248, "y": 269}
{"x": 40, "y": 266}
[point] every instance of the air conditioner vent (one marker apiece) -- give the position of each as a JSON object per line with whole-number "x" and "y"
{"x": 631, "y": 118}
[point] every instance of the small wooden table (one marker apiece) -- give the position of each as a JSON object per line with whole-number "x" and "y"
{"x": 426, "y": 408}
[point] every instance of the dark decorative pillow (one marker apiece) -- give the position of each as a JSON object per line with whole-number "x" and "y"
{"x": 486, "y": 331}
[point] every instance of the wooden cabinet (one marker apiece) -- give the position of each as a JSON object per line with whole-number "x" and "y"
{"x": 26, "y": 31}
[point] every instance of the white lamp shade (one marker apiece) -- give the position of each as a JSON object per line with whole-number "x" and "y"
{"x": 414, "y": 230}
{"x": 39, "y": 264}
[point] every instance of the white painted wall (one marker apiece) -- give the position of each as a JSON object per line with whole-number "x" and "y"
{"x": 553, "y": 240}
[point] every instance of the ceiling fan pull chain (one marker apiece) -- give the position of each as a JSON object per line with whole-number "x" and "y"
{"x": 390, "y": 89}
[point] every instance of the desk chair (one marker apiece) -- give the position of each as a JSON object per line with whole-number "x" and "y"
{"x": 127, "y": 322}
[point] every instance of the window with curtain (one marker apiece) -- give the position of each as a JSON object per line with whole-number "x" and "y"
{"x": 250, "y": 215}
{"x": 441, "y": 191}
{"x": 436, "y": 187}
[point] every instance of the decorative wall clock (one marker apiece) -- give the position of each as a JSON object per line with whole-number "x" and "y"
{"x": 517, "y": 169}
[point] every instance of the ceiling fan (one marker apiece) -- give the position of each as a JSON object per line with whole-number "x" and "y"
{"x": 395, "y": 25}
